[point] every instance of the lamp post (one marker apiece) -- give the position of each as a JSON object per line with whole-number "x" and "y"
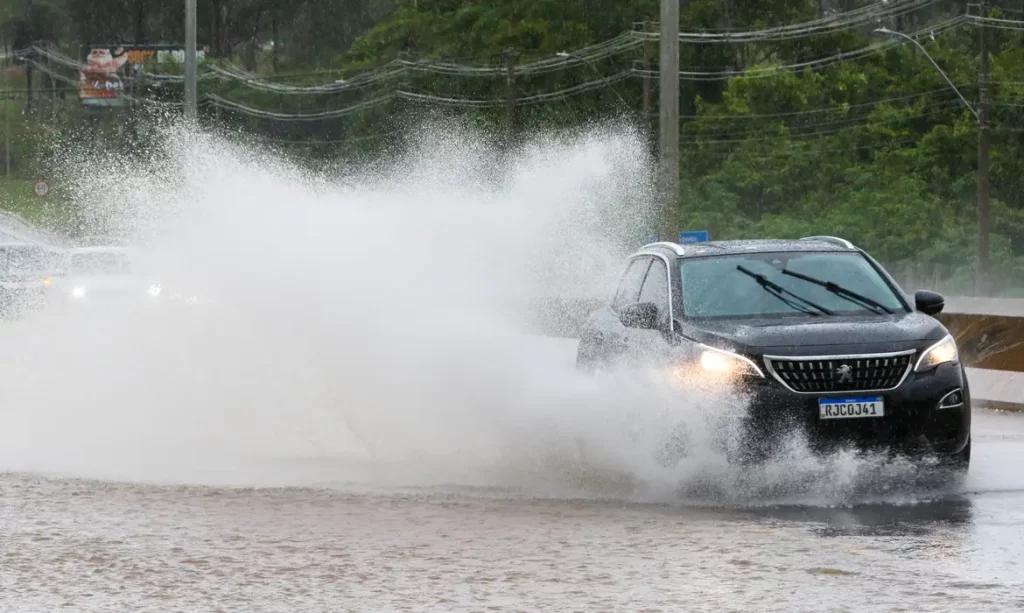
{"x": 981, "y": 177}
{"x": 608, "y": 84}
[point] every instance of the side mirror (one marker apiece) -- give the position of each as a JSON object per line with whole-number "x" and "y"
{"x": 642, "y": 315}
{"x": 928, "y": 302}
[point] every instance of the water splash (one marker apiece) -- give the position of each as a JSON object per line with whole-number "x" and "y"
{"x": 371, "y": 327}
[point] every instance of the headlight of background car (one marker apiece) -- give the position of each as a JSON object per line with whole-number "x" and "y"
{"x": 939, "y": 353}
{"x": 727, "y": 363}
{"x": 78, "y": 291}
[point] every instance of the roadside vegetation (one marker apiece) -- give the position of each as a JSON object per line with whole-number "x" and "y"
{"x": 822, "y": 128}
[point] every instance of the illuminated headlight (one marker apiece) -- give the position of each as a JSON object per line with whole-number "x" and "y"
{"x": 727, "y": 363}
{"x": 940, "y": 353}
{"x": 78, "y": 292}
{"x": 154, "y": 291}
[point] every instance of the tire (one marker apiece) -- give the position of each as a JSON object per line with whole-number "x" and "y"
{"x": 960, "y": 461}
{"x": 586, "y": 360}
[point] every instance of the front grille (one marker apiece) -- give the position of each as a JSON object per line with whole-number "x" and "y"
{"x": 841, "y": 374}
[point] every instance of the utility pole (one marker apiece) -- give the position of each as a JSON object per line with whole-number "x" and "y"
{"x": 7, "y": 116}
{"x": 28, "y": 87}
{"x": 647, "y": 86}
{"x": 510, "y": 93}
{"x": 668, "y": 84}
{"x": 983, "y": 278}
{"x": 191, "y": 99}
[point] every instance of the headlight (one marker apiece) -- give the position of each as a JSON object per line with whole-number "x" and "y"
{"x": 726, "y": 362}
{"x": 47, "y": 282}
{"x": 939, "y": 353}
{"x": 78, "y": 292}
{"x": 154, "y": 290}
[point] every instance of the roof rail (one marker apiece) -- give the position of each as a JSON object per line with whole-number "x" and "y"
{"x": 835, "y": 240}
{"x": 676, "y": 248}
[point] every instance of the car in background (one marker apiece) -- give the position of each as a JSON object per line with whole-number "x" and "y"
{"x": 814, "y": 332}
{"x": 106, "y": 275}
{"x": 25, "y": 268}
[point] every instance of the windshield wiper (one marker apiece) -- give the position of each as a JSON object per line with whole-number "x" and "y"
{"x": 778, "y": 291}
{"x": 842, "y": 292}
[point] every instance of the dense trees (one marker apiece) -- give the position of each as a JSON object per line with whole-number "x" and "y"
{"x": 812, "y": 130}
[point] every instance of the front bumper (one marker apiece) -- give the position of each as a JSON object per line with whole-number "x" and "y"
{"x": 913, "y": 424}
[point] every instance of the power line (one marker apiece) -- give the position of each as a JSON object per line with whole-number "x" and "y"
{"x": 873, "y": 49}
{"x": 829, "y": 109}
{"x": 844, "y": 21}
{"x": 993, "y": 22}
{"x": 617, "y": 45}
{"x": 980, "y": 5}
{"x": 797, "y": 130}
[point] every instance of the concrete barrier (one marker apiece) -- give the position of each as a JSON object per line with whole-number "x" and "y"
{"x": 989, "y": 331}
{"x": 996, "y": 389}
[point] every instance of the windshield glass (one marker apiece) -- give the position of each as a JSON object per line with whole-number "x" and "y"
{"x": 100, "y": 263}
{"x": 22, "y": 260}
{"x": 714, "y": 287}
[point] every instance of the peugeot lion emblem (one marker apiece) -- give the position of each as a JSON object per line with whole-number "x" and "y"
{"x": 845, "y": 373}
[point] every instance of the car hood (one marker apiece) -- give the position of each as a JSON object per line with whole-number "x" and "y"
{"x": 818, "y": 335}
{"x": 19, "y": 279}
{"x": 106, "y": 282}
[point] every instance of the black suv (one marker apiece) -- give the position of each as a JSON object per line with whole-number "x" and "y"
{"x": 817, "y": 334}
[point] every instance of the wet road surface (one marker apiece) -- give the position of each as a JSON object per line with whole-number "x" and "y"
{"x": 80, "y": 545}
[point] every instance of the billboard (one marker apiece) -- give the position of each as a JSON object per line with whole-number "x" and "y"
{"x": 107, "y": 71}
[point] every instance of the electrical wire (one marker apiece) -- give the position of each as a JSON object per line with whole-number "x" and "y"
{"x": 870, "y": 14}
{"x": 1000, "y": 24}
{"x": 830, "y": 109}
{"x": 798, "y": 130}
{"x": 224, "y": 103}
{"x": 1001, "y": 9}
{"x": 818, "y": 63}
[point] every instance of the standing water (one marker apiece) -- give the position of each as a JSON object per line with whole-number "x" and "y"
{"x": 357, "y": 415}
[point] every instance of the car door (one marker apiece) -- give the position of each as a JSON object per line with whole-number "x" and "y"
{"x": 604, "y": 339}
{"x": 653, "y": 343}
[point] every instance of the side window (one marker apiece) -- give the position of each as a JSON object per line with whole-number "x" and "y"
{"x": 655, "y": 289}
{"x": 629, "y": 287}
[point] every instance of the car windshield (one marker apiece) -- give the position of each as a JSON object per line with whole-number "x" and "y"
{"x": 724, "y": 286}
{"x": 100, "y": 263}
{"x": 22, "y": 260}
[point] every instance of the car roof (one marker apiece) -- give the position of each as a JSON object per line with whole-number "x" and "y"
{"x": 738, "y": 247}
{"x": 77, "y": 250}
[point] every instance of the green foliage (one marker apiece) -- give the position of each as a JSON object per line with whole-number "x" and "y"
{"x": 878, "y": 148}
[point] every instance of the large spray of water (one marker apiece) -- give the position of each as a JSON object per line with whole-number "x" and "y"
{"x": 368, "y": 327}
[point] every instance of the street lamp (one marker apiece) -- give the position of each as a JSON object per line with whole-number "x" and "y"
{"x": 567, "y": 55}
{"x": 981, "y": 177}
{"x": 888, "y": 32}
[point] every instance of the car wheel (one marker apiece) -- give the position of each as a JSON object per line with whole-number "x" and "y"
{"x": 587, "y": 358}
{"x": 961, "y": 460}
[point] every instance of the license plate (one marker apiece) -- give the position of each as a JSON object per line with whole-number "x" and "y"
{"x": 850, "y": 408}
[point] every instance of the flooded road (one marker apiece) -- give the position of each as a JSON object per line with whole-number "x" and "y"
{"x": 300, "y": 443}
{"x": 81, "y": 545}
